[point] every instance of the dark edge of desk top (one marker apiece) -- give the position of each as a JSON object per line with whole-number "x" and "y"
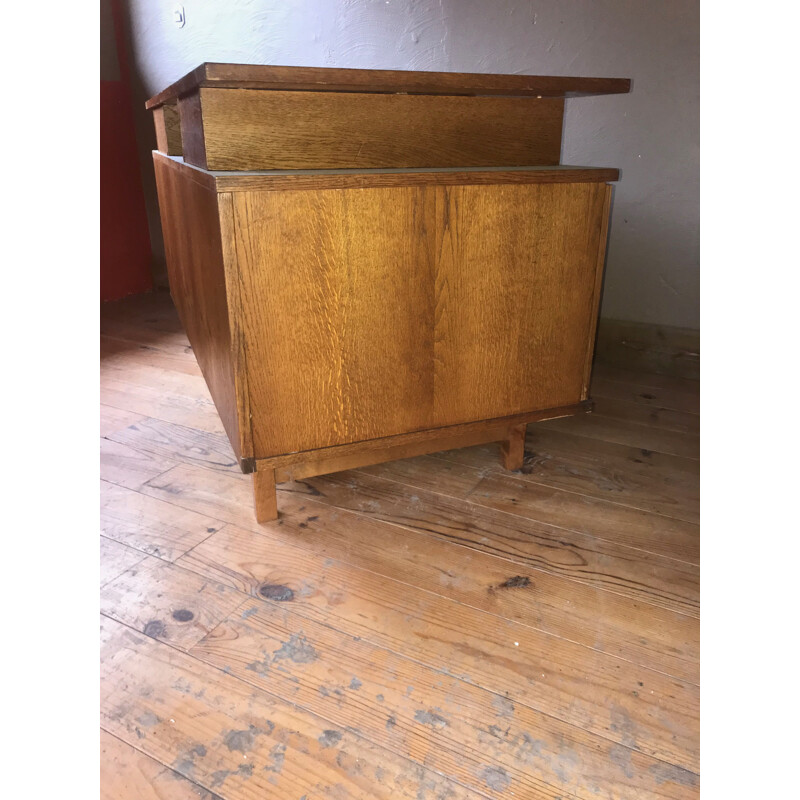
{"x": 323, "y": 79}
{"x": 275, "y": 180}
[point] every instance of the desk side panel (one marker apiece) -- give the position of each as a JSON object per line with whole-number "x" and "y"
{"x": 195, "y": 251}
{"x": 382, "y": 311}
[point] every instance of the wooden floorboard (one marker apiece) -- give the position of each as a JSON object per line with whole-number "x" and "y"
{"x": 433, "y": 627}
{"x": 641, "y": 478}
{"x": 126, "y": 772}
{"x": 126, "y": 466}
{"x": 116, "y": 558}
{"x": 435, "y": 717}
{"x": 238, "y": 741}
{"x": 150, "y": 525}
{"x": 655, "y": 397}
{"x": 578, "y": 685}
{"x": 179, "y": 443}
{"x": 597, "y": 562}
{"x": 160, "y": 403}
{"x": 115, "y": 419}
{"x": 564, "y": 508}
{"x": 529, "y": 577}
{"x": 608, "y": 429}
{"x": 115, "y": 352}
{"x": 650, "y": 379}
{"x": 630, "y": 411}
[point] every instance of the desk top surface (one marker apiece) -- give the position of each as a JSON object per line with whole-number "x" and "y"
{"x": 321, "y": 79}
{"x": 298, "y": 179}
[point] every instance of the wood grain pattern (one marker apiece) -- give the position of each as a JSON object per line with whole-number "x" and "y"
{"x": 511, "y": 336}
{"x": 532, "y": 544}
{"x": 150, "y": 525}
{"x": 113, "y": 419}
{"x": 663, "y": 419}
{"x": 117, "y": 353}
{"x": 563, "y": 509}
{"x": 229, "y": 496}
{"x": 245, "y": 129}
{"x": 154, "y": 401}
{"x": 128, "y": 467}
{"x": 613, "y": 521}
{"x": 600, "y": 694}
{"x": 185, "y": 377}
{"x": 630, "y": 433}
{"x": 658, "y": 482}
{"x": 647, "y": 392}
{"x": 238, "y": 314}
{"x": 176, "y": 344}
{"x": 602, "y": 564}
{"x": 148, "y": 598}
{"x": 383, "y": 319}
{"x": 637, "y": 477}
{"x": 116, "y": 558}
{"x": 638, "y": 378}
{"x": 475, "y": 478}
{"x": 179, "y": 442}
{"x": 190, "y": 218}
{"x": 408, "y": 708}
{"x": 127, "y": 773}
{"x": 650, "y": 348}
{"x": 379, "y": 80}
{"x": 339, "y": 341}
{"x": 519, "y": 577}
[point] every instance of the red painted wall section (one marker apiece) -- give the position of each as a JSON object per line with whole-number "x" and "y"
{"x": 125, "y": 254}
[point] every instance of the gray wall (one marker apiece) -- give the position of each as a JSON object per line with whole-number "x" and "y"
{"x": 652, "y": 134}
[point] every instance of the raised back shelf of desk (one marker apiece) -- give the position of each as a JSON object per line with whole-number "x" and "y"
{"x": 424, "y": 276}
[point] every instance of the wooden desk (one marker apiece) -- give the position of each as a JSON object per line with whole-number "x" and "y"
{"x": 373, "y": 265}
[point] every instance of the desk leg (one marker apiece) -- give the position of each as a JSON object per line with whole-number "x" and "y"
{"x": 265, "y": 497}
{"x": 513, "y": 448}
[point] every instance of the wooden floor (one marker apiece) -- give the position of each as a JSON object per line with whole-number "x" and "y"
{"x": 430, "y": 628}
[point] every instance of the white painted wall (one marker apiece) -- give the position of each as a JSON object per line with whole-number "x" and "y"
{"x": 652, "y": 134}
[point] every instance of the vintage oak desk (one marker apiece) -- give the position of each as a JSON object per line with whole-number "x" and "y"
{"x": 373, "y": 265}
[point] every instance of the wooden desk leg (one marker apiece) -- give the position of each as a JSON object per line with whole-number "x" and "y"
{"x": 265, "y": 496}
{"x": 513, "y": 448}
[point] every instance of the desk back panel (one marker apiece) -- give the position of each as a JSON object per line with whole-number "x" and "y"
{"x": 381, "y": 311}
